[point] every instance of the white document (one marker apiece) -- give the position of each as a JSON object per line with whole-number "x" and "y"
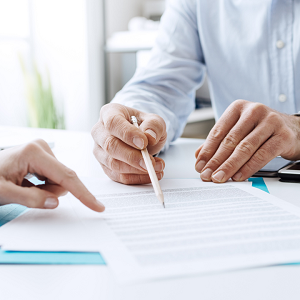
{"x": 205, "y": 228}
{"x": 65, "y": 228}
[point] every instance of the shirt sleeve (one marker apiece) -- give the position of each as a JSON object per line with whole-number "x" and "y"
{"x": 167, "y": 85}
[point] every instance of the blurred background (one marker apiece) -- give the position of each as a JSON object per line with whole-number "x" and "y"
{"x": 61, "y": 60}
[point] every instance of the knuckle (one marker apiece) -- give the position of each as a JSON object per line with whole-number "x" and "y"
{"x": 130, "y": 179}
{"x": 113, "y": 164}
{"x": 132, "y": 158}
{"x": 126, "y": 179}
{"x": 157, "y": 121}
{"x": 40, "y": 142}
{"x": 205, "y": 154}
{"x": 110, "y": 144}
{"x": 273, "y": 118}
{"x": 230, "y": 141}
{"x": 110, "y": 122}
{"x": 104, "y": 109}
{"x": 246, "y": 148}
{"x": 70, "y": 174}
{"x": 229, "y": 165}
{"x": 30, "y": 148}
{"x": 216, "y": 134}
{"x": 239, "y": 103}
{"x": 261, "y": 156}
{"x": 257, "y": 109}
{"x": 125, "y": 134}
{"x": 215, "y": 161}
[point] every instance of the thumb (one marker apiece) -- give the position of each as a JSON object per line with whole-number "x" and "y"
{"x": 31, "y": 197}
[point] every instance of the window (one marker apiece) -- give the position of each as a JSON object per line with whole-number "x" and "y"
{"x": 15, "y": 43}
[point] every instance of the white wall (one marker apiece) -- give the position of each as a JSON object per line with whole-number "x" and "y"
{"x": 119, "y": 12}
{"x": 67, "y": 39}
{"x": 14, "y": 32}
{"x": 61, "y": 42}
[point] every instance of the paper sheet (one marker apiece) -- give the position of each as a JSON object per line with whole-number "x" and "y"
{"x": 64, "y": 229}
{"x": 47, "y": 230}
{"x": 205, "y": 228}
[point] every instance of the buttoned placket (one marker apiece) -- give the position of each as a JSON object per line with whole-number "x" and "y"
{"x": 281, "y": 56}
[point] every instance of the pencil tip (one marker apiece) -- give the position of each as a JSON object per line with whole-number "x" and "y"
{"x": 161, "y": 198}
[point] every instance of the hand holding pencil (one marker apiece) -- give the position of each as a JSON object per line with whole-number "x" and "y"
{"x": 118, "y": 143}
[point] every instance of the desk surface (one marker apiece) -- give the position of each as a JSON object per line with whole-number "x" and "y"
{"x": 96, "y": 282}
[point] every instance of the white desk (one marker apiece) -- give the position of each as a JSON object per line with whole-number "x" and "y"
{"x": 96, "y": 282}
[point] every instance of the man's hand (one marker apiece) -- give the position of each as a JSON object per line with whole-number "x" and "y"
{"x": 246, "y": 138}
{"x": 37, "y": 158}
{"x": 118, "y": 143}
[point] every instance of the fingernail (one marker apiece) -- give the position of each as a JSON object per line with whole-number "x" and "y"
{"x": 200, "y": 165}
{"x": 158, "y": 167}
{"x": 50, "y": 203}
{"x": 138, "y": 142}
{"x": 206, "y": 174}
{"x": 143, "y": 165}
{"x": 151, "y": 132}
{"x": 237, "y": 176}
{"x": 219, "y": 176}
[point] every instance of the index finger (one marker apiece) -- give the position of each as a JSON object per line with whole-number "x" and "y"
{"x": 217, "y": 134}
{"x": 48, "y": 166}
{"x": 154, "y": 128}
{"x": 117, "y": 120}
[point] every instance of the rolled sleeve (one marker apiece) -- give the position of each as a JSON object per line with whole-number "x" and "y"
{"x": 167, "y": 85}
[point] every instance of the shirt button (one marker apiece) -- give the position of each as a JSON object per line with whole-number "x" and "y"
{"x": 279, "y": 44}
{"x": 282, "y": 98}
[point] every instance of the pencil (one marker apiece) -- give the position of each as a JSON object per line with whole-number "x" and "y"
{"x": 158, "y": 192}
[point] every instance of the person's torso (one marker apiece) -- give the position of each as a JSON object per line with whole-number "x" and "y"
{"x": 252, "y": 51}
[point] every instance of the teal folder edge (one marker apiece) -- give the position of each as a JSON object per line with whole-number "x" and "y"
{"x": 50, "y": 258}
{"x": 259, "y": 183}
{"x": 10, "y": 212}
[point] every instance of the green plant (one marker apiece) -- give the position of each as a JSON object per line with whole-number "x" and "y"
{"x": 42, "y": 111}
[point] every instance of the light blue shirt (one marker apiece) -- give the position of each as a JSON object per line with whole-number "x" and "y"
{"x": 250, "y": 49}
